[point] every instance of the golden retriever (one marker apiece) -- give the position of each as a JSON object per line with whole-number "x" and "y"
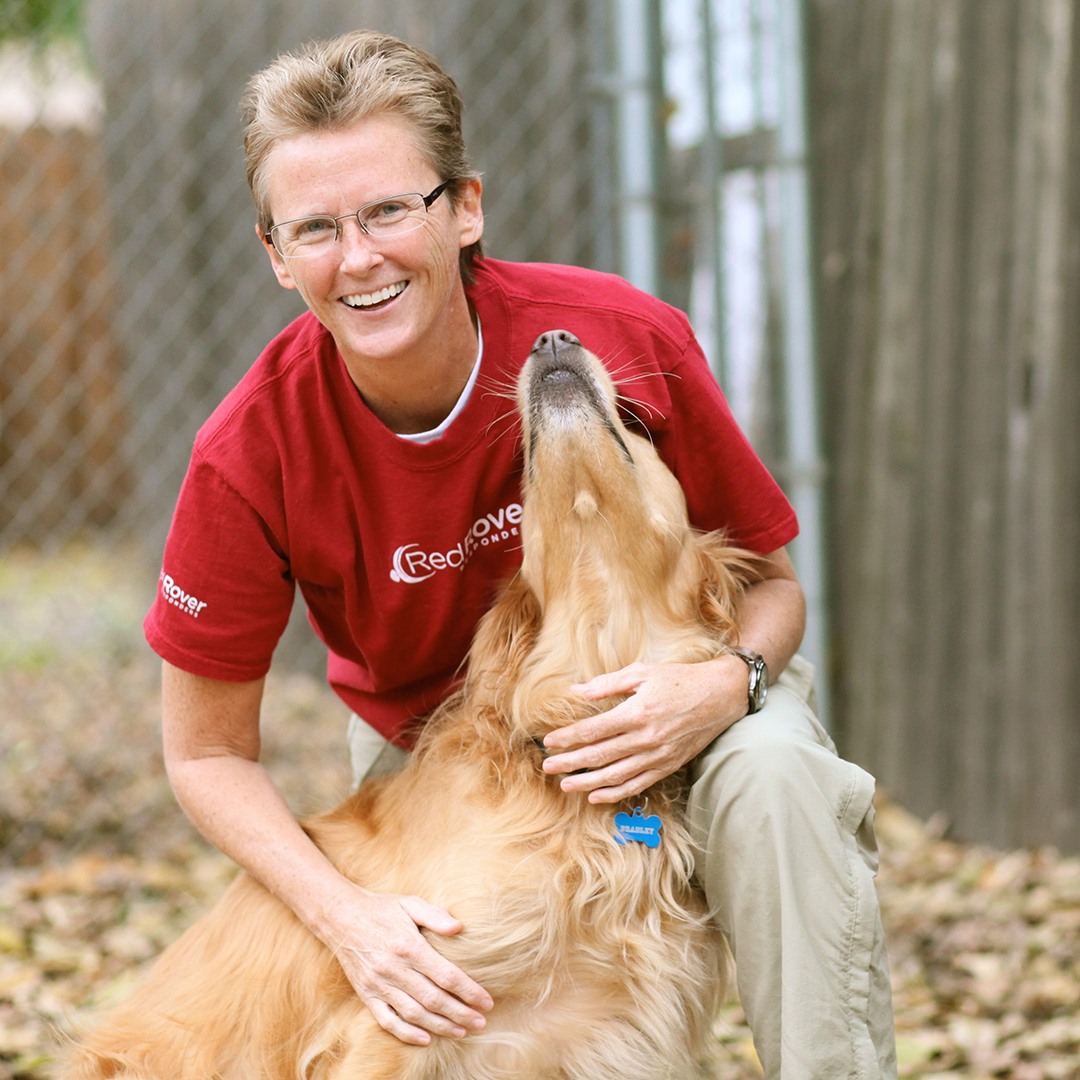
{"x": 598, "y": 954}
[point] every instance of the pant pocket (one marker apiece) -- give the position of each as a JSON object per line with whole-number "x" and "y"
{"x": 856, "y": 815}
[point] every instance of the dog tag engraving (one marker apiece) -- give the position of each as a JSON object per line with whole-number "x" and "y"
{"x": 638, "y": 828}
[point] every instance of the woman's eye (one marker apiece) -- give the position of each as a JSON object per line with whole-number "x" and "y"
{"x": 387, "y": 212}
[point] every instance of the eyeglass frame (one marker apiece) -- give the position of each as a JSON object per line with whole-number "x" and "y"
{"x": 427, "y": 201}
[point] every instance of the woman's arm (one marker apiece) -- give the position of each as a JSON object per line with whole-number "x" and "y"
{"x": 211, "y": 740}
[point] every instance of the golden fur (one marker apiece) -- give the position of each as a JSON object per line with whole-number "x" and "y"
{"x": 598, "y": 956}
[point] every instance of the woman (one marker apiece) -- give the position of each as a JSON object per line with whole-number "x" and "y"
{"x": 360, "y": 458}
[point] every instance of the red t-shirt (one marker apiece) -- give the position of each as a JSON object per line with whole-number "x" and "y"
{"x": 399, "y": 547}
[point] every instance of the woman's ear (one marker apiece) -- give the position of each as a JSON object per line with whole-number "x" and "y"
{"x": 470, "y": 212}
{"x": 281, "y": 268}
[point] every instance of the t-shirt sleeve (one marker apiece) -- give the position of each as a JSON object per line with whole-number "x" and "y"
{"x": 224, "y": 593}
{"x": 727, "y": 486}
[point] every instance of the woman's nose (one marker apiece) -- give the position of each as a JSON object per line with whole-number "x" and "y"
{"x": 357, "y": 248}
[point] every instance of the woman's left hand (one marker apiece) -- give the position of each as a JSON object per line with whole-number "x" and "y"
{"x": 672, "y": 712}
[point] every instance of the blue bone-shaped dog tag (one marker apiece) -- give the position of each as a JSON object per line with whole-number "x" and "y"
{"x": 638, "y": 828}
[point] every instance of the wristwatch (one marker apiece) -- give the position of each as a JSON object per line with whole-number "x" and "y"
{"x": 759, "y": 678}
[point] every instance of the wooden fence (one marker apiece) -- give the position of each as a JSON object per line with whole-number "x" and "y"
{"x": 947, "y": 141}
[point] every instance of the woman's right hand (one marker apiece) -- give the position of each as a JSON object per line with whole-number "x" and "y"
{"x": 411, "y": 989}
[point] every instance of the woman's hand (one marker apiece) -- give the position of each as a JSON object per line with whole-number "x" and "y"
{"x": 673, "y": 710}
{"x": 672, "y": 713}
{"x": 411, "y": 989}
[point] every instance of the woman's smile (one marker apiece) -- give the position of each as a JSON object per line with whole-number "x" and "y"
{"x": 376, "y": 300}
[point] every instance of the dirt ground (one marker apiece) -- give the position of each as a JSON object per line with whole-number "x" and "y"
{"x": 99, "y": 869}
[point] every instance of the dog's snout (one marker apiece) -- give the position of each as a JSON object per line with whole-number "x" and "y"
{"x": 554, "y": 340}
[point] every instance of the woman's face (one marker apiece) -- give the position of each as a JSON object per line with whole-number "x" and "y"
{"x": 337, "y": 172}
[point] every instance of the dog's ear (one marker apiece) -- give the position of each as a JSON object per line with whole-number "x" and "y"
{"x": 506, "y": 634}
{"x": 725, "y": 573}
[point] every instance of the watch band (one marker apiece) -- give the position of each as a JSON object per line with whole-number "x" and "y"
{"x": 758, "y": 688}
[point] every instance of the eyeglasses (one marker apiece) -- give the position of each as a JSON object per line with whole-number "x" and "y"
{"x": 303, "y": 238}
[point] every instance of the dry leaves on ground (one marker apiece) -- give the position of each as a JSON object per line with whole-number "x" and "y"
{"x": 985, "y": 954}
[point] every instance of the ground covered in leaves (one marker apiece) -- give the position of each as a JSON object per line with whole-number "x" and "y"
{"x": 99, "y": 869}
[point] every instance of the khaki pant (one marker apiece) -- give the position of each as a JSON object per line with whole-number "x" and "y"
{"x": 786, "y": 828}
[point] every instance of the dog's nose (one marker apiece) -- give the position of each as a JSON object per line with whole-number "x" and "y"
{"x": 554, "y": 340}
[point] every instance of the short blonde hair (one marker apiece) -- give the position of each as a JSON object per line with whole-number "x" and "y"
{"x": 332, "y": 85}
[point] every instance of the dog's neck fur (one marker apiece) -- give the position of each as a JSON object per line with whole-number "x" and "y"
{"x": 603, "y": 605}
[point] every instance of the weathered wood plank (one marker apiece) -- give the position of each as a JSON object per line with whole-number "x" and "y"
{"x": 948, "y": 230}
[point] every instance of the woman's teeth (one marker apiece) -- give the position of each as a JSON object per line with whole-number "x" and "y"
{"x": 361, "y": 300}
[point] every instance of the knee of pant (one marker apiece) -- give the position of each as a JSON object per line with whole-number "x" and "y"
{"x": 771, "y": 769}
{"x": 763, "y": 775}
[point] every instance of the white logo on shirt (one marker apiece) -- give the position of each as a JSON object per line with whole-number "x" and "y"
{"x": 411, "y": 564}
{"x": 188, "y": 604}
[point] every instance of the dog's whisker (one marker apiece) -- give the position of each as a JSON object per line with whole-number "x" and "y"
{"x": 625, "y": 401}
{"x": 646, "y": 433}
{"x": 609, "y": 361}
{"x": 499, "y": 388}
{"x": 638, "y": 376}
{"x": 510, "y": 418}
{"x": 496, "y": 391}
{"x": 506, "y": 384}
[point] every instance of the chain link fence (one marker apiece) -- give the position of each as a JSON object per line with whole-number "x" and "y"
{"x": 134, "y": 291}
{"x": 637, "y": 136}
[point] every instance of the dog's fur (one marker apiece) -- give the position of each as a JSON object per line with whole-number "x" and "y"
{"x": 599, "y": 956}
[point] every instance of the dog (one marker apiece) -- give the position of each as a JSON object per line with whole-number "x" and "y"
{"x": 596, "y": 949}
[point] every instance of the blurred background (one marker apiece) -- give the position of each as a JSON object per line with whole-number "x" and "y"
{"x": 870, "y": 209}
